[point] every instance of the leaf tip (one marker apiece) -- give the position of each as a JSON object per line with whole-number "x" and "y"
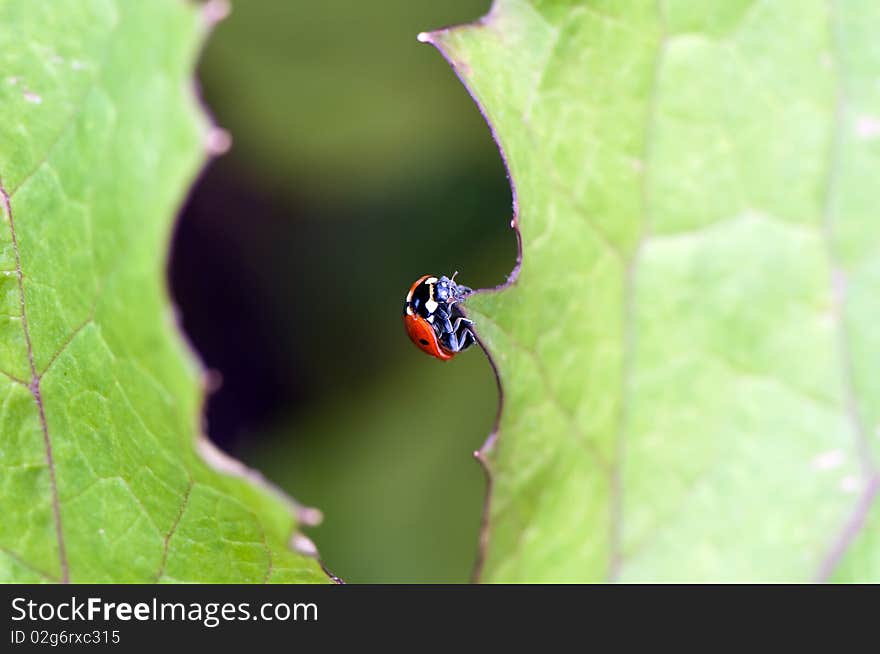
{"x": 217, "y": 141}
{"x": 302, "y": 544}
{"x": 215, "y": 11}
{"x": 309, "y": 516}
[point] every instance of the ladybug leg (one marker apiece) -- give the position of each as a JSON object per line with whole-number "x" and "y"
{"x": 453, "y": 343}
{"x": 445, "y": 330}
{"x": 455, "y": 335}
{"x": 467, "y": 338}
{"x": 445, "y": 324}
{"x": 461, "y": 338}
{"x": 459, "y": 320}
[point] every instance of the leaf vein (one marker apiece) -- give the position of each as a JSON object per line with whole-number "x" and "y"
{"x": 852, "y": 526}
{"x": 34, "y": 388}
{"x": 173, "y": 528}
{"x": 628, "y": 323}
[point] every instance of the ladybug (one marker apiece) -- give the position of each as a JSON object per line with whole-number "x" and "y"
{"x": 433, "y": 319}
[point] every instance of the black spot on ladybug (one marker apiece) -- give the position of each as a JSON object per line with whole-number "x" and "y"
{"x": 423, "y": 341}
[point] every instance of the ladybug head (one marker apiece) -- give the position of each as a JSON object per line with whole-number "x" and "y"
{"x": 446, "y": 290}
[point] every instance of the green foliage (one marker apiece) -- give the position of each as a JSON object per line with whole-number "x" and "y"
{"x": 101, "y": 137}
{"x": 689, "y": 355}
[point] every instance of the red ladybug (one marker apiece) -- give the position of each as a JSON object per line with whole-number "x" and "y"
{"x": 433, "y": 319}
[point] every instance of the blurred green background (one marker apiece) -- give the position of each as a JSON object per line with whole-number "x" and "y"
{"x": 358, "y": 163}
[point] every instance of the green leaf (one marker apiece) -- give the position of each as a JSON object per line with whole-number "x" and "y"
{"x": 100, "y": 400}
{"x": 689, "y": 354}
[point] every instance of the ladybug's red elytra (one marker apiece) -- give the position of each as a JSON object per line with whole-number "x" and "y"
{"x": 432, "y": 318}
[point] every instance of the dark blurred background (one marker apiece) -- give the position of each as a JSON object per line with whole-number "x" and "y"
{"x": 358, "y": 163}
